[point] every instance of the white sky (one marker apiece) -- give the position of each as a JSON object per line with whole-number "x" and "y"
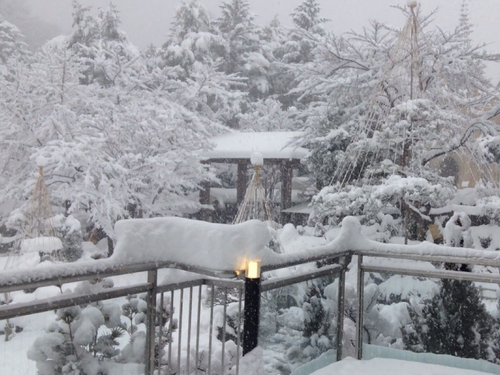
{"x": 147, "y": 21}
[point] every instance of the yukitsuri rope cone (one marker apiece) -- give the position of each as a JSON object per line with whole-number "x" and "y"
{"x": 38, "y": 224}
{"x": 39, "y": 212}
{"x": 255, "y": 205}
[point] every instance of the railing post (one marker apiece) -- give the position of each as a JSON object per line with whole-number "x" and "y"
{"x": 251, "y": 312}
{"x": 359, "y": 320}
{"x": 150, "y": 323}
{"x": 340, "y": 307}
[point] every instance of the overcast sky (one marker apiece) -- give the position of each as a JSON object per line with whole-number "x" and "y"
{"x": 147, "y": 21}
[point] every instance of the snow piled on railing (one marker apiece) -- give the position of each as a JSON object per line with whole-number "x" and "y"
{"x": 191, "y": 242}
{"x": 208, "y": 246}
{"x": 351, "y": 238}
{"x": 223, "y": 247}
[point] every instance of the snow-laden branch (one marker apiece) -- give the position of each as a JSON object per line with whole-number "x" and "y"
{"x": 433, "y": 154}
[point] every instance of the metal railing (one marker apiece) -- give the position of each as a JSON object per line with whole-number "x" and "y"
{"x": 190, "y": 307}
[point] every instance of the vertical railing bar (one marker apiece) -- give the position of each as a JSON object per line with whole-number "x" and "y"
{"x": 209, "y": 370}
{"x": 359, "y": 319}
{"x": 150, "y": 322}
{"x": 170, "y": 335}
{"x": 224, "y": 321}
{"x": 197, "y": 351}
{"x": 238, "y": 329}
{"x": 160, "y": 333}
{"x": 179, "y": 340}
{"x": 188, "y": 367}
{"x": 340, "y": 307}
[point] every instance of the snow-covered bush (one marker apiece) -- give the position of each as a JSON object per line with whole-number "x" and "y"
{"x": 456, "y": 232}
{"x": 69, "y": 230}
{"x": 73, "y": 343}
{"x": 336, "y": 204}
{"x": 490, "y": 207}
{"x": 415, "y": 191}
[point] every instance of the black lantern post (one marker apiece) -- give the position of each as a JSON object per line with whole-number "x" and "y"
{"x": 252, "y": 307}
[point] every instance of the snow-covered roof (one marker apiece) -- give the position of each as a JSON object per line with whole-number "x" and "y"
{"x": 272, "y": 145}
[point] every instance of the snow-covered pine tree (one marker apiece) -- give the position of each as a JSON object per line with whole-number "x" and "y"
{"x": 243, "y": 53}
{"x": 73, "y": 343}
{"x": 35, "y": 28}
{"x": 12, "y": 46}
{"x": 307, "y": 32}
{"x": 453, "y": 322}
{"x": 69, "y": 230}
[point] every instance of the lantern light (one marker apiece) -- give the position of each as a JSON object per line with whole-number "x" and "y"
{"x": 253, "y": 269}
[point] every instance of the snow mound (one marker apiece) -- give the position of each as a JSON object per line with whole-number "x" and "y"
{"x": 190, "y": 242}
{"x": 41, "y": 244}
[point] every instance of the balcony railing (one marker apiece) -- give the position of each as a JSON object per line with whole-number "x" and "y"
{"x": 181, "y": 346}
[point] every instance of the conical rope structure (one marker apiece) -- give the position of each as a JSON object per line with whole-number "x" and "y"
{"x": 37, "y": 223}
{"x": 39, "y": 212}
{"x": 402, "y": 91}
{"x": 256, "y": 205}
{"x": 38, "y": 218}
{"x": 402, "y": 73}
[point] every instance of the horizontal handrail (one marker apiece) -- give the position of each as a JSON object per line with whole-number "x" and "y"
{"x": 281, "y": 282}
{"x": 431, "y": 258}
{"x": 67, "y": 273}
{"x": 439, "y": 274}
{"x": 68, "y": 300}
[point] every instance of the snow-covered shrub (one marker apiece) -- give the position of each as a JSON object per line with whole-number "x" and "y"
{"x": 232, "y": 318}
{"x": 135, "y": 311}
{"x": 297, "y": 325}
{"x": 456, "y": 232}
{"x": 336, "y": 204}
{"x": 490, "y": 207}
{"x": 414, "y": 190}
{"x": 485, "y": 241}
{"x": 69, "y": 230}
{"x": 73, "y": 343}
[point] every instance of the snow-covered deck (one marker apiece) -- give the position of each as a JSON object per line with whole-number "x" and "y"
{"x": 384, "y": 366}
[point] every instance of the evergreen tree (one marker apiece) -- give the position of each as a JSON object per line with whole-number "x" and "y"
{"x": 36, "y": 30}
{"x": 306, "y": 35}
{"x": 315, "y": 316}
{"x": 307, "y": 16}
{"x": 454, "y": 322}
{"x": 242, "y": 53}
{"x": 69, "y": 230}
{"x": 12, "y": 46}
{"x": 240, "y": 33}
